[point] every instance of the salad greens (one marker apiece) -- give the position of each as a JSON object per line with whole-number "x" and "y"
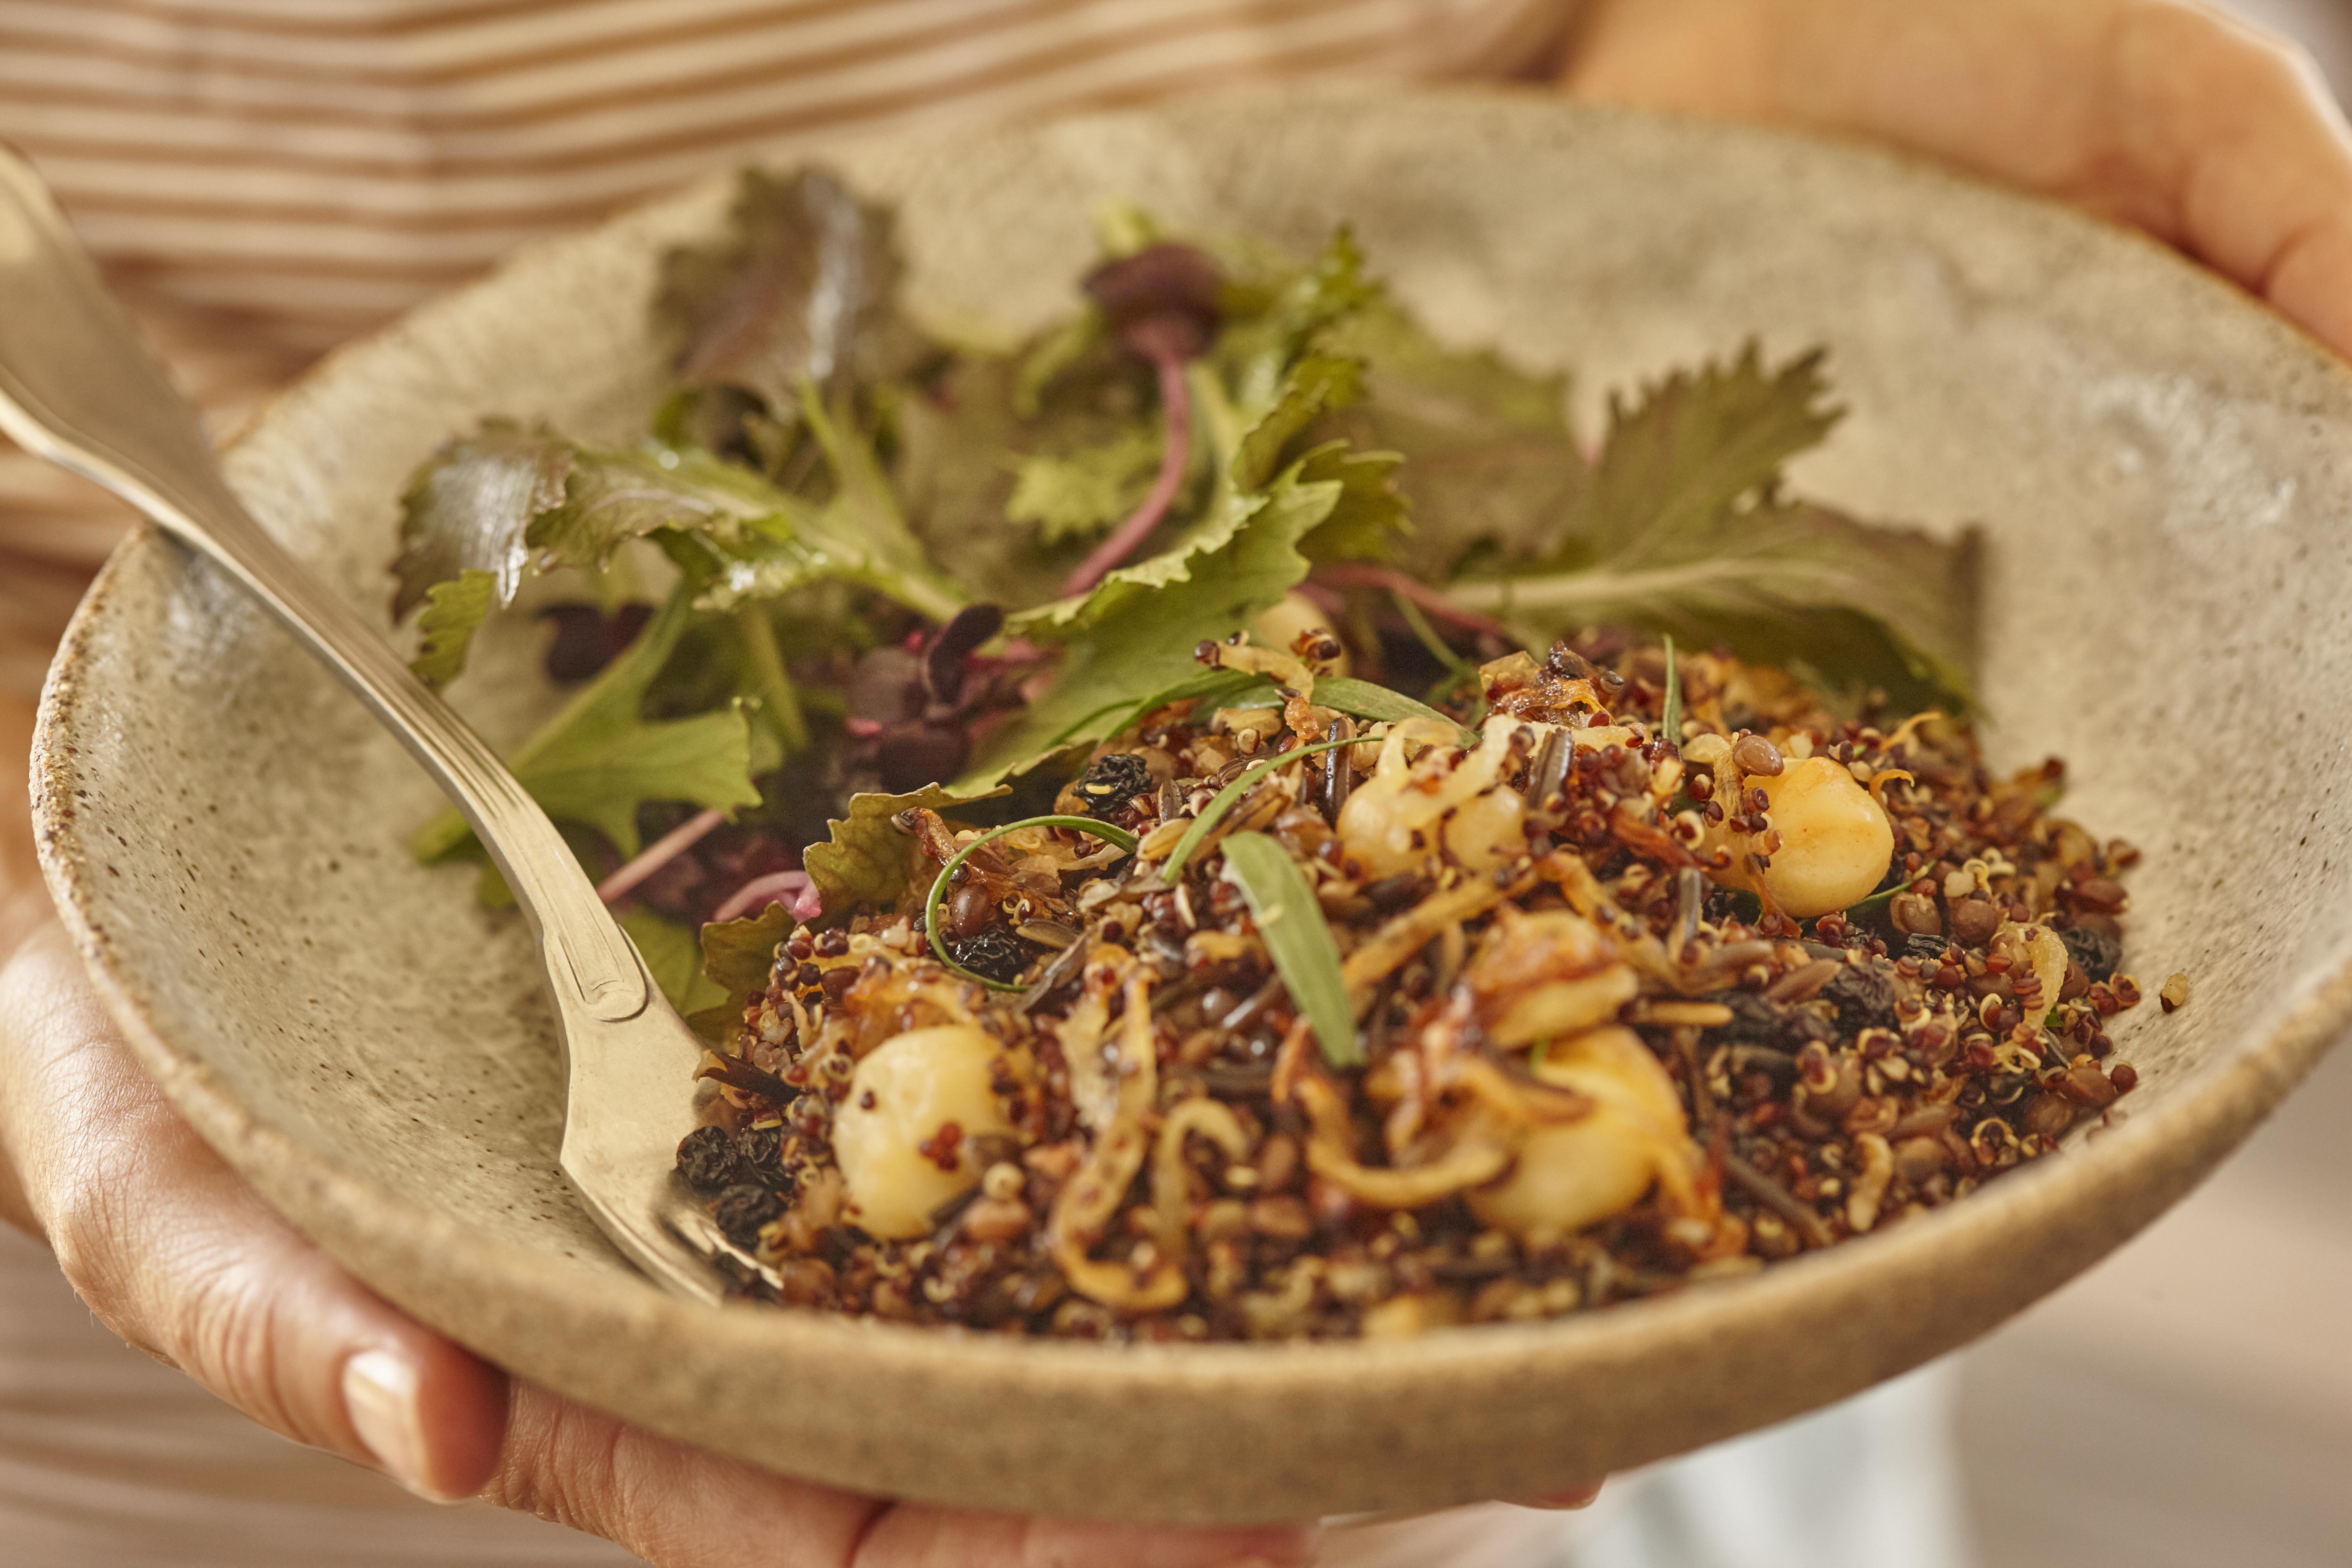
{"x": 889, "y": 571}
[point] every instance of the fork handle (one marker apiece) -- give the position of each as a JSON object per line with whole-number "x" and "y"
{"x": 78, "y": 387}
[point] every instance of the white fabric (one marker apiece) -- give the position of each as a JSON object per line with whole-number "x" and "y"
{"x": 1873, "y": 1482}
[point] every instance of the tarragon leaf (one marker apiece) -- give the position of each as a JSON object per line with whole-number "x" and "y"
{"x": 734, "y": 961}
{"x": 454, "y": 611}
{"x": 599, "y": 758}
{"x": 1216, "y": 689}
{"x": 1298, "y": 939}
{"x": 1682, "y": 530}
{"x": 1362, "y": 699}
{"x": 867, "y": 861}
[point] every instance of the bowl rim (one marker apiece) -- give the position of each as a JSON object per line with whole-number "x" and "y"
{"x": 2211, "y": 1109}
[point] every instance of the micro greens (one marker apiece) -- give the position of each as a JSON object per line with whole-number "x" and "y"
{"x": 1222, "y": 801}
{"x": 1117, "y": 837}
{"x": 1298, "y": 940}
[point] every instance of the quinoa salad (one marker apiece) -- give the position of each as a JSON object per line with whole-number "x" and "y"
{"x": 1618, "y": 1015}
{"x": 1225, "y": 815}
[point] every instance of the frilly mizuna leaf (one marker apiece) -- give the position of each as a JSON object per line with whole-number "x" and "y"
{"x": 735, "y": 959}
{"x": 869, "y": 861}
{"x": 1682, "y": 530}
{"x": 1080, "y": 494}
{"x": 454, "y": 611}
{"x": 1142, "y": 643}
{"x": 600, "y": 759}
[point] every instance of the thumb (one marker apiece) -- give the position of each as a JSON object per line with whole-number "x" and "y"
{"x": 175, "y": 1254}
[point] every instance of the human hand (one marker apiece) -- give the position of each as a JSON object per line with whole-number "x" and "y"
{"x": 174, "y": 1254}
{"x": 2206, "y": 132}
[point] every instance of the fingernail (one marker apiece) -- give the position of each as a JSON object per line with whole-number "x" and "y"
{"x": 380, "y": 1396}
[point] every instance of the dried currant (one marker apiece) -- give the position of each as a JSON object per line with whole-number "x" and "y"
{"x": 707, "y": 1158}
{"x": 1864, "y": 996}
{"x": 743, "y": 1210}
{"x": 993, "y": 954}
{"x": 1114, "y": 779}
{"x": 2094, "y": 949}
{"x": 761, "y": 1151}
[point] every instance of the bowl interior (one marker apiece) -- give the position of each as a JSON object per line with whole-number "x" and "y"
{"x": 2160, "y": 466}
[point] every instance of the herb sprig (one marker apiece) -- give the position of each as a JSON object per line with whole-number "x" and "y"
{"x": 1120, "y": 837}
{"x": 1298, "y": 939}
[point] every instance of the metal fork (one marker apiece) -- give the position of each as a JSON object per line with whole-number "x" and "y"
{"x": 78, "y": 387}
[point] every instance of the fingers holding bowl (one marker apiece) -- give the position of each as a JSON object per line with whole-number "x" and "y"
{"x": 177, "y": 1256}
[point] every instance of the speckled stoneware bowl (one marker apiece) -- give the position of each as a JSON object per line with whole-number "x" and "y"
{"x": 2164, "y": 469}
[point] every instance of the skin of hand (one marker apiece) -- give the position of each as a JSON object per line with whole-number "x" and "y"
{"x": 2205, "y": 131}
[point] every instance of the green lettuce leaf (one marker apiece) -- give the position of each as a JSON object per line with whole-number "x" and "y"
{"x": 1318, "y": 383}
{"x": 673, "y": 958}
{"x": 599, "y": 758}
{"x": 863, "y": 513}
{"x": 867, "y": 860}
{"x": 733, "y": 964}
{"x": 612, "y": 496}
{"x": 1256, "y": 354}
{"x": 454, "y": 611}
{"x": 1681, "y": 529}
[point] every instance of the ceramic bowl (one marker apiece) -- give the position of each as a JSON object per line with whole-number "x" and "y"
{"x": 2161, "y": 467}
